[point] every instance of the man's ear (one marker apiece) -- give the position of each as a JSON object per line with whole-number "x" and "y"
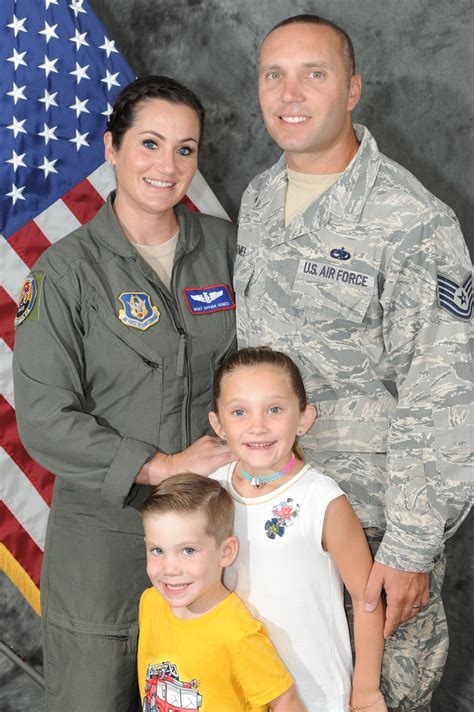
{"x": 355, "y": 91}
{"x": 215, "y": 425}
{"x": 229, "y": 549}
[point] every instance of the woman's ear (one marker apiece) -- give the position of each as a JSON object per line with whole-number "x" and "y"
{"x": 109, "y": 151}
{"x": 215, "y": 425}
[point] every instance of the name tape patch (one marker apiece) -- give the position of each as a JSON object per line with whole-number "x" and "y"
{"x": 138, "y": 311}
{"x": 205, "y": 300}
{"x": 330, "y": 273}
{"x": 456, "y": 298}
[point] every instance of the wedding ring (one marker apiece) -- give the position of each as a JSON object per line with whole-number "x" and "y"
{"x": 417, "y": 606}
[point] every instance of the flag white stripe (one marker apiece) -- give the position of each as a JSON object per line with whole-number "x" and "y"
{"x": 204, "y": 199}
{"x": 14, "y": 270}
{"x": 6, "y": 381}
{"x": 23, "y": 500}
{"x": 57, "y": 221}
{"x": 103, "y": 180}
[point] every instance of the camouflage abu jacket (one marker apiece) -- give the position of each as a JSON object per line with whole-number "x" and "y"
{"x": 370, "y": 290}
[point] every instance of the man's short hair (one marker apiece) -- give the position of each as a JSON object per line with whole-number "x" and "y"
{"x": 189, "y": 493}
{"x": 306, "y": 18}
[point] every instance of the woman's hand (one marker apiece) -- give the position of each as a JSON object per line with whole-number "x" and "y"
{"x": 367, "y": 701}
{"x": 202, "y": 458}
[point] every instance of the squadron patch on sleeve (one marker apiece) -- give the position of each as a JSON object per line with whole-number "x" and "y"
{"x": 455, "y": 298}
{"x": 209, "y": 299}
{"x": 28, "y": 297}
{"x": 138, "y": 311}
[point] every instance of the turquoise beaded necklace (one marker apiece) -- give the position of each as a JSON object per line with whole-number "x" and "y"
{"x": 262, "y": 480}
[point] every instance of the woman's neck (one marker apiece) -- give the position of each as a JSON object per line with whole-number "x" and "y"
{"x": 145, "y": 228}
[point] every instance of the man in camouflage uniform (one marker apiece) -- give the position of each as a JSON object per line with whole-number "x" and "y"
{"x": 367, "y": 283}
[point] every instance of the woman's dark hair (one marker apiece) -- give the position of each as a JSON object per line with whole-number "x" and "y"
{"x": 262, "y": 356}
{"x": 134, "y": 94}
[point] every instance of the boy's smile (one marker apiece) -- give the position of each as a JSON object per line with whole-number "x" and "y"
{"x": 184, "y": 562}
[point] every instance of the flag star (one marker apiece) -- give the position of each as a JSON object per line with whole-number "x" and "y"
{"x": 17, "y": 58}
{"x": 49, "y": 31}
{"x": 17, "y": 127}
{"x": 76, "y": 6}
{"x": 48, "y": 166}
{"x": 49, "y": 65}
{"x": 80, "y": 72}
{"x": 50, "y": 2}
{"x": 79, "y": 39}
{"x": 108, "y": 46}
{"x": 108, "y": 111}
{"x": 16, "y": 160}
{"x": 16, "y": 193}
{"x": 17, "y": 25}
{"x": 110, "y": 79}
{"x": 48, "y": 133}
{"x": 80, "y": 139}
{"x": 48, "y": 99}
{"x": 17, "y": 92}
{"x": 80, "y": 107}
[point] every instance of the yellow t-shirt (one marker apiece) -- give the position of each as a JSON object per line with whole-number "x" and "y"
{"x": 223, "y": 661}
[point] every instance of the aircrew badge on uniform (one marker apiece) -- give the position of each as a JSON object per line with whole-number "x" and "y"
{"x": 29, "y": 291}
{"x": 455, "y": 298}
{"x": 206, "y": 300}
{"x": 138, "y": 311}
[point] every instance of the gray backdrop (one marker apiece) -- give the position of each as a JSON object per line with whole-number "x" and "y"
{"x": 416, "y": 58}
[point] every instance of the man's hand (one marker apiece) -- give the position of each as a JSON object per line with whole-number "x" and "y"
{"x": 406, "y": 593}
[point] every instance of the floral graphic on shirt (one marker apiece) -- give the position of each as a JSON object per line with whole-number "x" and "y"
{"x": 284, "y": 513}
{"x": 164, "y": 687}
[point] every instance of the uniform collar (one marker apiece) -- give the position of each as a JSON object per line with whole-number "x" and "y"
{"x": 109, "y": 232}
{"x": 345, "y": 199}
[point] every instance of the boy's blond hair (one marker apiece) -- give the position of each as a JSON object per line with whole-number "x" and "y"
{"x": 194, "y": 493}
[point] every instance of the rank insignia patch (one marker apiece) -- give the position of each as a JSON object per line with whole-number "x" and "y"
{"x": 455, "y": 298}
{"x": 209, "y": 299}
{"x": 28, "y": 294}
{"x": 138, "y": 311}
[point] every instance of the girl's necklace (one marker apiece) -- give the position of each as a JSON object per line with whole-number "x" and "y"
{"x": 261, "y": 481}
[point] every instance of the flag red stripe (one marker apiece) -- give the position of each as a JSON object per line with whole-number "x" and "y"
{"x": 7, "y": 317}
{"x": 42, "y": 480}
{"x": 189, "y": 204}
{"x": 29, "y": 243}
{"x": 83, "y": 201}
{"x": 20, "y": 544}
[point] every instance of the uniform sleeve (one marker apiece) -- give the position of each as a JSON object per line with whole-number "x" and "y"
{"x": 427, "y": 302}
{"x": 48, "y": 369}
{"x": 244, "y": 263}
{"x": 259, "y": 670}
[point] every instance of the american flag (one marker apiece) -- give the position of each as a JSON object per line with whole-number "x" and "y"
{"x": 60, "y": 75}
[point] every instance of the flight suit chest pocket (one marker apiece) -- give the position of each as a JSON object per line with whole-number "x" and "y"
{"x": 325, "y": 291}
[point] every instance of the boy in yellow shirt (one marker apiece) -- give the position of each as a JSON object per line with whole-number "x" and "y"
{"x": 199, "y": 647}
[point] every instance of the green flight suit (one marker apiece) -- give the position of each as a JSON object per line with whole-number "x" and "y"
{"x": 111, "y": 367}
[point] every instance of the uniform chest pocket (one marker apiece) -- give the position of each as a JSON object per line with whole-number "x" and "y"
{"x": 326, "y": 292}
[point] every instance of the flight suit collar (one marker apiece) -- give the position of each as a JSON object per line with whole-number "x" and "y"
{"x": 109, "y": 232}
{"x": 345, "y": 199}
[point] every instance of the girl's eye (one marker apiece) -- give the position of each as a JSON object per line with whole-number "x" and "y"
{"x": 189, "y": 551}
{"x": 149, "y": 143}
{"x": 185, "y": 151}
{"x": 156, "y": 551}
{"x": 238, "y": 412}
{"x": 275, "y": 409}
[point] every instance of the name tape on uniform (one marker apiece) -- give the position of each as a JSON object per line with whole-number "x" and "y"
{"x": 327, "y": 273}
{"x": 209, "y": 299}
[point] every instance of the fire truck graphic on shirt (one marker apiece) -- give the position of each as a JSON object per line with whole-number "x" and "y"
{"x": 165, "y": 692}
